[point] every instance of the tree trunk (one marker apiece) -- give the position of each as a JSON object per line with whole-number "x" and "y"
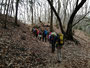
{"x": 51, "y": 23}
{"x": 60, "y": 23}
{"x": 59, "y": 6}
{"x": 1, "y": 7}
{"x": 32, "y": 12}
{"x": 68, "y": 35}
{"x": 32, "y": 15}
{"x": 17, "y": 3}
{"x": 70, "y": 23}
{"x": 12, "y": 7}
{"x": 5, "y": 6}
{"x": 45, "y": 14}
{"x": 48, "y": 14}
{"x": 6, "y": 15}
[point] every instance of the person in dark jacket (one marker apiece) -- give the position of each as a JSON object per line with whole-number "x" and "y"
{"x": 45, "y": 32}
{"x": 53, "y": 39}
{"x": 35, "y": 32}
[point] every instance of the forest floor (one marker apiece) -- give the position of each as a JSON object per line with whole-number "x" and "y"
{"x": 20, "y": 49}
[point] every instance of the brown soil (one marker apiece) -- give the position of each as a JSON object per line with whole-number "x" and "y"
{"x": 20, "y": 49}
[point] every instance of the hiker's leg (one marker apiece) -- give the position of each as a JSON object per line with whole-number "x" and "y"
{"x": 59, "y": 54}
{"x": 36, "y": 35}
{"x": 40, "y": 38}
{"x": 45, "y": 38}
{"x": 53, "y": 49}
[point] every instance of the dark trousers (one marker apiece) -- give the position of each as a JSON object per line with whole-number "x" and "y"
{"x": 53, "y": 47}
{"x": 36, "y": 35}
{"x": 40, "y": 38}
{"x": 44, "y": 38}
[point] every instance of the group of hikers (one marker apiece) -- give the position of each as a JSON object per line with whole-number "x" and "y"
{"x": 55, "y": 39}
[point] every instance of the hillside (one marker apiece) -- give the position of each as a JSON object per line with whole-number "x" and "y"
{"x": 20, "y": 49}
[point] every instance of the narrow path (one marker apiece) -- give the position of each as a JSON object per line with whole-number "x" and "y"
{"x": 73, "y": 56}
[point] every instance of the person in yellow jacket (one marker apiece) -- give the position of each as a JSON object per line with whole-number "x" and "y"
{"x": 59, "y": 44}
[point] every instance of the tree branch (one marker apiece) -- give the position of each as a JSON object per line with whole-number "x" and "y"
{"x": 81, "y": 19}
{"x": 60, "y": 23}
{"x": 69, "y": 27}
{"x": 77, "y": 3}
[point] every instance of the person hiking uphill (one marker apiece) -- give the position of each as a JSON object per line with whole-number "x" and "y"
{"x": 40, "y": 34}
{"x": 53, "y": 38}
{"x": 33, "y": 30}
{"x": 45, "y": 32}
{"x": 59, "y": 44}
{"x": 49, "y": 34}
{"x": 36, "y": 32}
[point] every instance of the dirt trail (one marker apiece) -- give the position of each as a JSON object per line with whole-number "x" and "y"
{"x": 20, "y": 49}
{"x": 73, "y": 56}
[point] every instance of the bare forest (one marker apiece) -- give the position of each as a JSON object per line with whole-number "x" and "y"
{"x": 31, "y": 31}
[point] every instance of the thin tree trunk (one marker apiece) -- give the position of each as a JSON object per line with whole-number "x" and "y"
{"x": 5, "y": 6}
{"x": 12, "y": 8}
{"x": 32, "y": 15}
{"x": 6, "y": 15}
{"x": 48, "y": 15}
{"x": 17, "y": 3}
{"x": 59, "y": 6}
{"x": 45, "y": 14}
{"x": 1, "y": 7}
{"x": 51, "y": 23}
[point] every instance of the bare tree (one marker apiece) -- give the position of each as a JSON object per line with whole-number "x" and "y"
{"x": 59, "y": 6}
{"x": 6, "y": 15}
{"x": 68, "y": 34}
{"x": 1, "y": 6}
{"x": 5, "y": 6}
{"x": 70, "y": 22}
{"x": 17, "y": 3}
{"x": 51, "y": 23}
{"x": 32, "y": 10}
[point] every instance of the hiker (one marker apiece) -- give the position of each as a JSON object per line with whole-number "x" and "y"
{"x": 59, "y": 44}
{"x": 53, "y": 38}
{"x": 49, "y": 34}
{"x": 40, "y": 35}
{"x": 45, "y": 32}
{"x": 32, "y": 30}
{"x": 38, "y": 32}
{"x": 35, "y": 32}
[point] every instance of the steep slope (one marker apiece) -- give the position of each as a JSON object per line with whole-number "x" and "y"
{"x": 20, "y": 49}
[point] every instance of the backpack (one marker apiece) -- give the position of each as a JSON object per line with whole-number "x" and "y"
{"x": 51, "y": 38}
{"x": 45, "y": 32}
{"x": 61, "y": 37}
{"x": 60, "y": 40}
